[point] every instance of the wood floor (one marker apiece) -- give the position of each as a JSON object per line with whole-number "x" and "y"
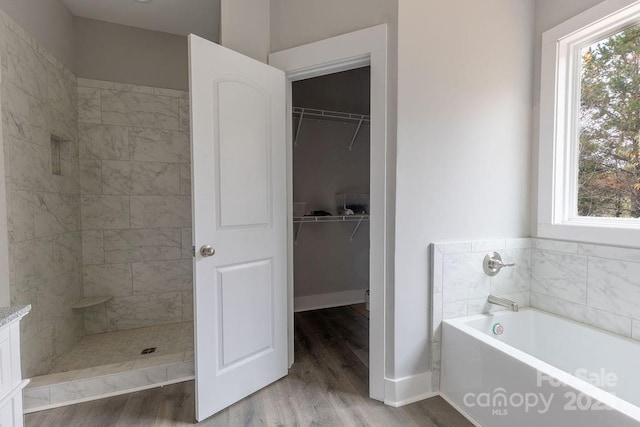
{"x": 327, "y": 386}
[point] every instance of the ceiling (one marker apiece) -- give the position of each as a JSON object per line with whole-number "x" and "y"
{"x": 181, "y": 17}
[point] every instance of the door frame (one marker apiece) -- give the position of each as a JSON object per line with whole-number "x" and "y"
{"x": 367, "y": 47}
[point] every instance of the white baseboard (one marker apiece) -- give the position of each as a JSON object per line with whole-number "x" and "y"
{"x": 403, "y": 391}
{"x": 335, "y": 299}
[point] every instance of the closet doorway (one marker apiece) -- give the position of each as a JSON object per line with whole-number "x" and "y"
{"x": 361, "y": 49}
{"x": 331, "y": 185}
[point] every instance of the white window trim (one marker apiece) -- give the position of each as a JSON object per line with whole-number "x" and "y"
{"x": 559, "y": 91}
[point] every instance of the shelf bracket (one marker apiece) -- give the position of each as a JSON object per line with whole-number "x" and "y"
{"x": 355, "y": 135}
{"x": 298, "y": 231}
{"x": 295, "y": 138}
{"x": 355, "y": 230}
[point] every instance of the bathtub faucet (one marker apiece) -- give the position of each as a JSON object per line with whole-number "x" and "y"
{"x": 503, "y": 302}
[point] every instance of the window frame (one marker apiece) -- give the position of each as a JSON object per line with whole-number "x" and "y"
{"x": 559, "y": 127}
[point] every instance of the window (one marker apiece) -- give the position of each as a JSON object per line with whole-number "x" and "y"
{"x": 589, "y": 173}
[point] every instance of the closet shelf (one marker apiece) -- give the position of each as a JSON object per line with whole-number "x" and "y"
{"x": 358, "y": 219}
{"x": 345, "y": 218}
{"x": 336, "y": 116}
{"x": 90, "y": 302}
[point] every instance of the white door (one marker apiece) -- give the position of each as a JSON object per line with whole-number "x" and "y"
{"x": 239, "y": 209}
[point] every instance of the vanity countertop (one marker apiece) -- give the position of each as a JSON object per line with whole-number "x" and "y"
{"x": 9, "y": 314}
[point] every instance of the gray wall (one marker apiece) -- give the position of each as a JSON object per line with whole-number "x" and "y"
{"x": 49, "y": 22}
{"x": 464, "y": 121}
{"x": 548, "y": 13}
{"x": 117, "y": 53}
{"x": 252, "y": 37}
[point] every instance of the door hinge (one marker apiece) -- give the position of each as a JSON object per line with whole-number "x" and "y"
{"x": 193, "y": 251}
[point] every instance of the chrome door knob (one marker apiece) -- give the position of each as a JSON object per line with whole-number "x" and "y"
{"x": 207, "y": 251}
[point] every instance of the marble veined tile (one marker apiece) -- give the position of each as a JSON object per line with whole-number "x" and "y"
{"x": 635, "y": 329}
{"x": 33, "y": 397}
{"x": 513, "y": 279}
{"x": 92, "y": 247}
{"x": 29, "y": 268}
{"x": 114, "y": 351}
{"x": 150, "y": 178}
{"x": 56, "y": 213}
{"x": 185, "y": 180}
{"x": 555, "y": 245}
{"x": 452, "y": 310}
{"x": 108, "y": 279}
{"x": 125, "y": 239}
{"x": 559, "y": 274}
{"x": 80, "y": 389}
{"x": 137, "y": 245}
{"x": 100, "y": 142}
{"x": 90, "y": 176}
{"x": 454, "y": 247}
{"x": 105, "y": 212}
{"x": 160, "y": 145}
{"x": 140, "y": 110}
{"x": 611, "y": 252}
{"x": 187, "y": 243}
{"x": 144, "y": 310}
{"x": 581, "y": 313}
{"x": 99, "y": 84}
{"x": 89, "y": 105}
{"x": 187, "y": 306}
{"x": 487, "y": 245}
{"x": 463, "y": 277}
{"x": 162, "y": 276}
{"x": 177, "y": 371}
{"x": 66, "y": 252}
{"x": 614, "y": 286}
{"x": 185, "y": 118}
{"x": 160, "y": 211}
{"x": 22, "y": 219}
{"x": 437, "y": 261}
{"x": 25, "y": 67}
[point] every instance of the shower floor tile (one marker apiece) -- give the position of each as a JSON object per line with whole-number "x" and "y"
{"x": 125, "y": 346}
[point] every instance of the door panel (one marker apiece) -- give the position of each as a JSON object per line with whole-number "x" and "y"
{"x": 239, "y": 208}
{"x": 244, "y": 147}
{"x": 248, "y": 286}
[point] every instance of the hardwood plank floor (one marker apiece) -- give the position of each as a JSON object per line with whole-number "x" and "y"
{"x": 327, "y": 386}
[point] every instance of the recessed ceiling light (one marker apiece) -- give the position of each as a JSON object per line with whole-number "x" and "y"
{"x": 144, "y": 1}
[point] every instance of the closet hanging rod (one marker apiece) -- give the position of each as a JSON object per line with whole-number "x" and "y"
{"x": 331, "y": 115}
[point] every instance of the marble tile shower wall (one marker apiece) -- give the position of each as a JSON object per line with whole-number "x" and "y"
{"x": 39, "y": 101}
{"x": 135, "y": 204}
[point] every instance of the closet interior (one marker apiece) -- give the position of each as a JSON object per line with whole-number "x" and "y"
{"x": 331, "y": 175}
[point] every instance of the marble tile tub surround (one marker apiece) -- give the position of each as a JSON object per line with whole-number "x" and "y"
{"x": 460, "y": 287}
{"x": 593, "y": 284}
{"x": 135, "y": 204}
{"x": 39, "y": 100}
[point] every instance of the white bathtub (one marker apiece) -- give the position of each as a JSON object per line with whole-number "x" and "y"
{"x": 543, "y": 370}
